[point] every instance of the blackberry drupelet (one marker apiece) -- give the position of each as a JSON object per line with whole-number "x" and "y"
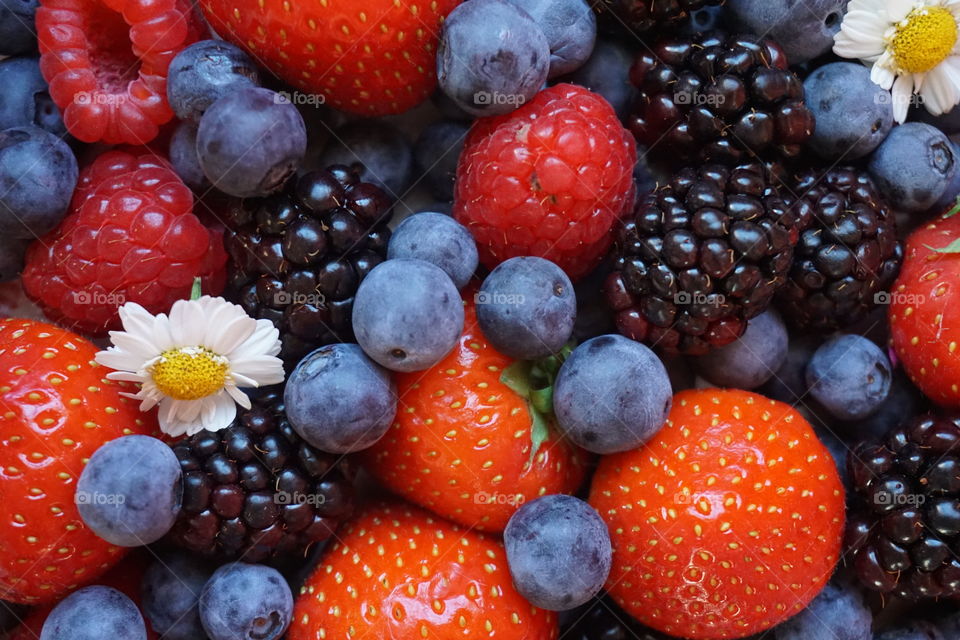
{"x": 255, "y": 489}
{"x": 904, "y": 530}
{"x": 714, "y": 97}
{"x": 703, "y": 255}
{"x": 646, "y": 15}
{"x": 297, "y": 258}
{"x": 846, "y": 258}
{"x": 602, "y": 619}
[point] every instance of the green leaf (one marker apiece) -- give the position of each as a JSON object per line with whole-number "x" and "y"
{"x": 539, "y": 432}
{"x": 517, "y": 377}
{"x": 954, "y": 210}
{"x": 195, "y": 291}
{"x": 542, "y": 400}
{"x": 953, "y": 247}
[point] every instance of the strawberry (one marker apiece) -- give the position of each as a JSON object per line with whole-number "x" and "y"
{"x": 925, "y": 310}
{"x": 468, "y": 446}
{"x": 727, "y": 522}
{"x": 398, "y": 572}
{"x": 372, "y": 58}
{"x": 56, "y": 409}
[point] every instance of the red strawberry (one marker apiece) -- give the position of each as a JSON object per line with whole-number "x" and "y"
{"x": 925, "y": 310}
{"x": 106, "y": 62}
{"x": 550, "y": 179}
{"x": 465, "y": 445}
{"x": 727, "y": 522}
{"x": 373, "y": 58}
{"x": 56, "y": 409}
{"x": 130, "y": 236}
{"x": 398, "y": 572}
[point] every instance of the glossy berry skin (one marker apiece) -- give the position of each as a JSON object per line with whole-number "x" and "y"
{"x": 57, "y": 410}
{"x": 94, "y": 613}
{"x": 390, "y": 48}
{"x": 451, "y": 583}
{"x": 473, "y": 437}
{"x": 107, "y": 60}
{"x": 751, "y": 359}
{"x": 439, "y": 239}
{"x": 651, "y": 15}
{"x": 913, "y": 166}
{"x": 130, "y": 236}
{"x": 184, "y": 159}
{"x": 204, "y": 72}
{"x": 171, "y": 595}
{"x": 245, "y": 601}
{"x": 839, "y": 612}
{"x": 850, "y": 376}
{"x": 744, "y": 505}
{"x": 805, "y": 31}
{"x": 26, "y": 99}
{"x": 549, "y": 180}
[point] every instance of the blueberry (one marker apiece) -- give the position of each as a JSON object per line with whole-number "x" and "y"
{"x": 607, "y": 72}
{"x": 379, "y": 150}
{"x": 839, "y": 612}
{"x": 438, "y": 239}
{"x": 949, "y": 196}
{"x": 570, "y": 27}
{"x": 913, "y": 166}
{"x": 436, "y": 154}
{"x": 38, "y": 173}
{"x": 493, "y": 57}
{"x": 129, "y": 492}
{"x": 850, "y": 376}
{"x": 407, "y": 314}
{"x": 94, "y": 613}
{"x": 805, "y": 29}
{"x": 913, "y": 630}
{"x": 205, "y": 72}
{"x": 183, "y": 156}
{"x": 597, "y": 408}
{"x": 18, "y": 33}
{"x": 339, "y": 400}
{"x": 708, "y": 18}
{"x": 12, "y": 253}
{"x": 789, "y": 383}
{"x": 250, "y": 141}
{"x": 558, "y": 552}
{"x": 838, "y": 451}
{"x": 26, "y": 97}
{"x": 752, "y": 359}
{"x": 526, "y": 308}
{"x": 903, "y": 402}
{"x": 246, "y": 602}
{"x": 853, "y": 113}
{"x": 171, "y": 591}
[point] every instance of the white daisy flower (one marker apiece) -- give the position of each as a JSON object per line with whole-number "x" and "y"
{"x": 912, "y": 47}
{"x": 193, "y": 362}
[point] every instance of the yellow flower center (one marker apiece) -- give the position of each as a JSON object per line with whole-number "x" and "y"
{"x": 189, "y": 373}
{"x": 924, "y": 39}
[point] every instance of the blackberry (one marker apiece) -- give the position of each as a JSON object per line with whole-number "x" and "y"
{"x": 846, "y": 258}
{"x": 602, "y": 619}
{"x": 701, "y": 256}
{"x": 646, "y": 15}
{"x": 904, "y": 530}
{"x": 715, "y": 97}
{"x": 298, "y": 257}
{"x": 255, "y": 489}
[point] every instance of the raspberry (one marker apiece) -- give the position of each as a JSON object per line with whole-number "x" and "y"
{"x": 130, "y": 236}
{"x": 550, "y": 179}
{"x": 106, "y": 62}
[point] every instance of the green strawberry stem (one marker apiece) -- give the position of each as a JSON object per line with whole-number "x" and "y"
{"x": 195, "y": 291}
{"x": 954, "y": 210}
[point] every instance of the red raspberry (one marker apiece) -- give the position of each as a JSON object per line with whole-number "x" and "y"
{"x": 550, "y": 179}
{"x": 106, "y": 62}
{"x": 130, "y": 236}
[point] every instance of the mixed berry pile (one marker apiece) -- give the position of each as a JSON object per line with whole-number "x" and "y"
{"x": 517, "y": 319}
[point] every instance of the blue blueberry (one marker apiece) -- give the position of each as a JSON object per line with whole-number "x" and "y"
{"x": 246, "y": 602}
{"x": 205, "y": 72}
{"x": 789, "y": 383}
{"x": 838, "y": 451}
{"x": 949, "y": 196}
{"x": 18, "y": 32}
{"x": 558, "y": 552}
{"x": 38, "y": 173}
{"x": 607, "y": 72}
{"x": 171, "y": 591}
{"x": 339, "y": 400}
{"x": 570, "y": 27}
{"x": 850, "y": 376}
{"x": 949, "y": 625}
{"x": 914, "y": 630}
{"x": 438, "y": 239}
{"x": 839, "y": 612}
{"x": 853, "y": 113}
{"x": 250, "y": 141}
{"x": 26, "y": 98}
{"x": 183, "y": 156}
{"x": 129, "y": 492}
{"x": 708, "y": 18}
{"x": 407, "y": 314}
{"x": 12, "y": 253}
{"x": 805, "y": 29}
{"x": 595, "y": 406}
{"x": 437, "y": 153}
{"x": 903, "y": 401}
{"x": 526, "y": 308}
{"x": 95, "y": 613}
{"x": 752, "y": 359}
{"x": 493, "y": 57}
{"x": 380, "y": 151}
{"x": 913, "y": 166}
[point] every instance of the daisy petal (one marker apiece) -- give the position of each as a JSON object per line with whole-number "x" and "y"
{"x": 901, "y": 94}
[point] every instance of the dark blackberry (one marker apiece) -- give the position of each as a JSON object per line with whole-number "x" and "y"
{"x": 646, "y": 15}
{"x": 848, "y": 256}
{"x": 602, "y": 619}
{"x": 255, "y": 489}
{"x": 904, "y": 528}
{"x": 713, "y": 97}
{"x": 701, "y": 256}
{"x": 298, "y": 257}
